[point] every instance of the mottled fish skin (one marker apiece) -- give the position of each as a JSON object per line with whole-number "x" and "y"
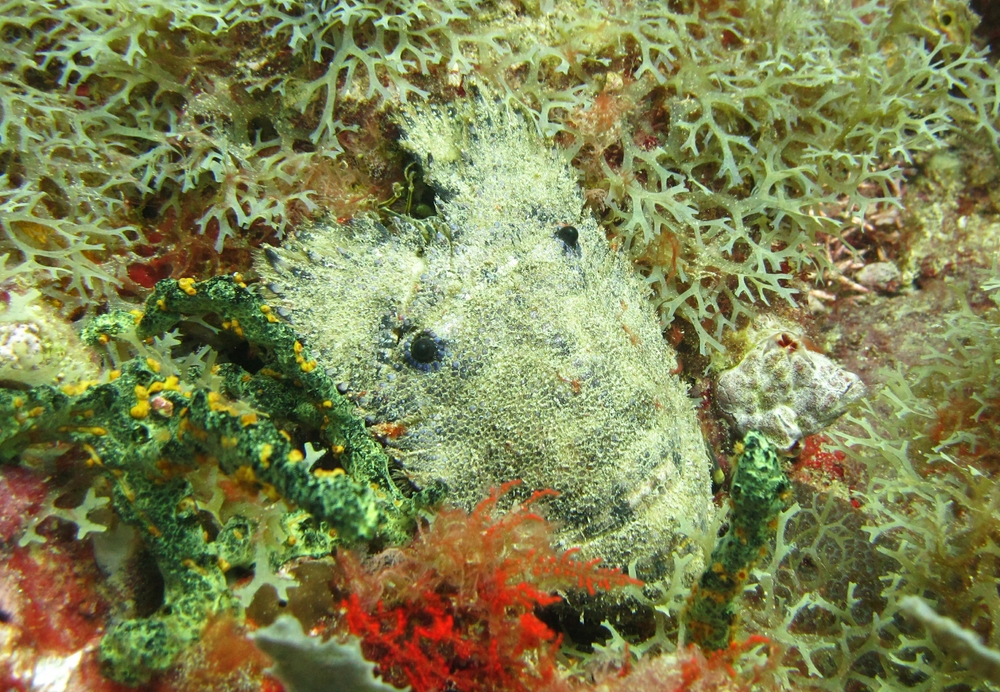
{"x": 507, "y": 345}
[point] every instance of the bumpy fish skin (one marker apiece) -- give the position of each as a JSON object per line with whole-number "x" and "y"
{"x": 506, "y": 347}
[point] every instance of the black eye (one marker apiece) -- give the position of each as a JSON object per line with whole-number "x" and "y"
{"x": 947, "y": 18}
{"x": 424, "y": 349}
{"x": 569, "y": 237}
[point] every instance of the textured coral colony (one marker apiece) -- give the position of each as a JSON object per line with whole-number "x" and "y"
{"x": 460, "y": 345}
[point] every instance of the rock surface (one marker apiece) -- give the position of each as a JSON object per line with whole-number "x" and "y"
{"x": 786, "y": 391}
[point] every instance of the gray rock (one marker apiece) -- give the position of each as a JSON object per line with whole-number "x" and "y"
{"x": 308, "y": 664}
{"x": 785, "y": 391}
{"x": 883, "y": 277}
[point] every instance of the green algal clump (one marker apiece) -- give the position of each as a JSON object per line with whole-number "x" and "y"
{"x": 760, "y": 118}
{"x": 758, "y": 495}
{"x": 146, "y": 430}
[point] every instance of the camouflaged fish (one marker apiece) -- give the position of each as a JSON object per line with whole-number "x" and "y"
{"x": 503, "y": 340}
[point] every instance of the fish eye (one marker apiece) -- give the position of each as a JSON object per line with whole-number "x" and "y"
{"x": 424, "y": 349}
{"x": 570, "y": 238}
{"x": 946, "y": 18}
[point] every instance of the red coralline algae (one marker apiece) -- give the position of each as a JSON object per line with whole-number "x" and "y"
{"x": 56, "y": 607}
{"x": 813, "y": 456}
{"x": 223, "y": 659}
{"x": 581, "y": 575}
{"x": 173, "y": 251}
{"x": 457, "y": 609}
{"x": 23, "y": 492}
{"x": 271, "y": 685}
{"x": 968, "y": 425}
{"x": 819, "y": 467}
{"x": 10, "y": 681}
{"x": 54, "y": 615}
{"x": 50, "y": 597}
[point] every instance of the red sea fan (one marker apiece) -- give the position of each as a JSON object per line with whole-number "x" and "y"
{"x": 456, "y": 609}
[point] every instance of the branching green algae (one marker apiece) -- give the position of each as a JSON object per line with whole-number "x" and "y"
{"x": 146, "y": 430}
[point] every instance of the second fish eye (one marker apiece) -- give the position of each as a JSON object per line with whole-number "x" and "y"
{"x": 570, "y": 238}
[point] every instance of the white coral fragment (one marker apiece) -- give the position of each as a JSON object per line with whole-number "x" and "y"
{"x": 964, "y": 644}
{"x": 307, "y": 664}
{"x": 20, "y": 347}
{"x": 786, "y": 391}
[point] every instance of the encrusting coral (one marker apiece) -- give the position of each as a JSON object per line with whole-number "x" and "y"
{"x": 758, "y": 492}
{"x": 146, "y": 430}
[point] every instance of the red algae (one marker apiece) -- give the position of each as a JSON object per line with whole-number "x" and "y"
{"x": 23, "y": 492}
{"x": 54, "y": 616}
{"x": 457, "y": 608}
{"x": 55, "y": 604}
{"x": 223, "y": 659}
